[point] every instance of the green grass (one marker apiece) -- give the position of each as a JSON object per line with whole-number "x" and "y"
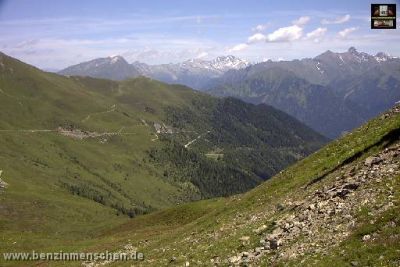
{"x": 68, "y": 194}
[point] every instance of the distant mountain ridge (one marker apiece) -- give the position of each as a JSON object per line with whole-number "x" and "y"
{"x": 193, "y": 73}
{"x": 332, "y": 92}
{"x": 114, "y": 67}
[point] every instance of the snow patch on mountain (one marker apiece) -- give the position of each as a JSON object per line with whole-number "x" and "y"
{"x": 115, "y": 59}
{"x": 219, "y": 64}
{"x": 341, "y": 59}
{"x": 319, "y": 68}
{"x": 382, "y": 57}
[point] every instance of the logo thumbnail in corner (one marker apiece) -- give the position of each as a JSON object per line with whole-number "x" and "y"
{"x": 383, "y": 16}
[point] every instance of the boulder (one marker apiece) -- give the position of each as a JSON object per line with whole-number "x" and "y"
{"x": 273, "y": 244}
{"x": 234, "y": 259}
{"x": 260, "y": 229}
{"x": 351, "y": 186}
{"x": 2, "y": 184}
{"x": 372, "y": 161}
{"x": 366, "y": 238}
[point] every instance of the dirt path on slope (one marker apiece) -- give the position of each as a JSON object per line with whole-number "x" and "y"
{"x": 197, "y": 138}
{"x": 112, "y": 109}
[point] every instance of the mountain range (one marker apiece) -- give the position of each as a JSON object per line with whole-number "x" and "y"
{"x": 332, "y": 92}
{"x": 194, "y": 73}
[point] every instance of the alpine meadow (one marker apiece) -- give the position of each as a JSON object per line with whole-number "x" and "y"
{"x": 199, "y": 133}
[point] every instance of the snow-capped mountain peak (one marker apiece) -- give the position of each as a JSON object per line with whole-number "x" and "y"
{"x": 361, "y": 56}
{"x": 358, "y": 56}
{"x": 219, "y": 64}
{"x": 116, "y": 58}
{"x": 352, "y": 50}
{"x": 381, "y": 56}
{"x": 352, "y": 56}
{"x": 229, "y": 62}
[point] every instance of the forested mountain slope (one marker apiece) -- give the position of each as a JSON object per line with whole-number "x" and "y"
{"x": 332, "y": 92}
{"x": 337, "y": 207}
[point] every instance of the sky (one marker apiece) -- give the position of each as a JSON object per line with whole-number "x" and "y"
{"x": 56, "y": 34}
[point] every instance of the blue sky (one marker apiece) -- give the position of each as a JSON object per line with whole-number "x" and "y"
{"x": 55, "y": 34}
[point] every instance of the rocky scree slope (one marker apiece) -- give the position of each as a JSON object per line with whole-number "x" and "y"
{"x": 327, "y": 215}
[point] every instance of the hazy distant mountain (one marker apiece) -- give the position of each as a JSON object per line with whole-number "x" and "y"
{"x": 316, "y": 105}
{"x": 194, "y": 73}
{"x": 330, "y": 67}
{"x": 332, "y": 93}
{"x": 115, "y": 68}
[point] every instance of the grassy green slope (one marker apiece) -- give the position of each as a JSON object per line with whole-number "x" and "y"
{"x": 32, "y": 99}
{"x": 208, "y": 231}
{"x": 63, "y": 192}
{"x": 43, "y": 169}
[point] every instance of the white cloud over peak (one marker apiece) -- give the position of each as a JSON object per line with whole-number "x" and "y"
{"x": 338, "y": 20}
{"x": 316, "y": 34}
{"x": 286, "y": 34}
{"x": 283, "y": 34}
{"x": 344, "y": 33}
{"x": 258, "y": 37}
{"x": 301, "y": 21}
{"x": 238, "y": 48}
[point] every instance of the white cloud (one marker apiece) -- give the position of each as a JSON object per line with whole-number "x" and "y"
{"x": 156, "y": 55}
{"x": 301, "y": 21}
{"x": 316, "y": 34}
{"x": 258, "y": 37}
{"x": 238, "y": 47}
{"x": 344, "y": 33}
{"x": 338, "y": 20}
{"x": 141, "y": 37}
{"x": 60, "y": 53}
{"x": 259, "y": 28}
{"x": 286, "y": 34}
